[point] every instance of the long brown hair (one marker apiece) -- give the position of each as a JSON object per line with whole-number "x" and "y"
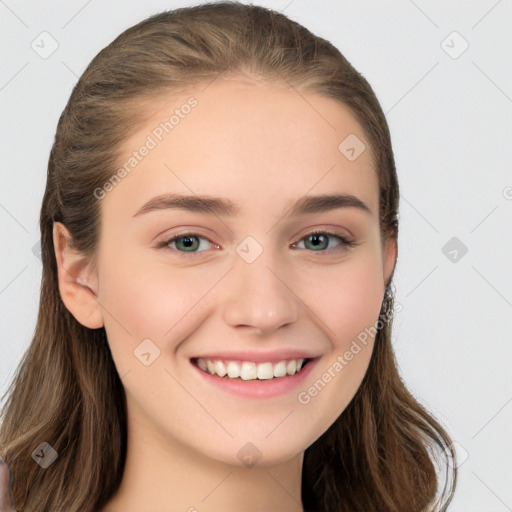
{"x": 379, "y": 455}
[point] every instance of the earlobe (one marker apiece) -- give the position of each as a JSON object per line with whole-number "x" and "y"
{"x": 390, "y": 257}
{"x": 78, "y": 283}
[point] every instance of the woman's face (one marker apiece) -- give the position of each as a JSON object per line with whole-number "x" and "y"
{"x": 247, "y": 283}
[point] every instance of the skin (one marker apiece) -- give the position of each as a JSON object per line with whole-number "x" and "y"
{"x": 5, "y": 488}
{"x": 262, "y": 146}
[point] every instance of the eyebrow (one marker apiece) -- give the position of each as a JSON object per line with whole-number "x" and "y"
{"x": 221, "y": 206}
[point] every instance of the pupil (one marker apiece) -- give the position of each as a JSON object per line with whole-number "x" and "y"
{"x": 187, "y": 241}
{"x": 317, "y": 240}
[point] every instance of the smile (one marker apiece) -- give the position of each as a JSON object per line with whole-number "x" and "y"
{"x": 250, "y": 370}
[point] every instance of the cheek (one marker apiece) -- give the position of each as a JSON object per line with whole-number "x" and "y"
{"x": 347, "y": 298}
{"x": 158, "y": 302}
{"x": 349, "y": 309}
{"x": 149, "y": 301}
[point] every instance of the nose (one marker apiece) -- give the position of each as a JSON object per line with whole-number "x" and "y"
{"x": 260, "y": 296}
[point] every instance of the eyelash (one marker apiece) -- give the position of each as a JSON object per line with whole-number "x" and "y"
{"x": 344, "y": 242}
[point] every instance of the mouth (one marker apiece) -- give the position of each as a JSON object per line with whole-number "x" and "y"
{"x": 239, "y": 370}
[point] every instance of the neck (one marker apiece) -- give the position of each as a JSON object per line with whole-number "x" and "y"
{"x": 162, "y": 474}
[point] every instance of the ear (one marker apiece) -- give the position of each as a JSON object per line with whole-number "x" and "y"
{"x": 78, "y": 282}
{"x": 390, "y": 255}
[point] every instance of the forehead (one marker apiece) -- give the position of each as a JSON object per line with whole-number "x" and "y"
{"x": 261, "y": 142}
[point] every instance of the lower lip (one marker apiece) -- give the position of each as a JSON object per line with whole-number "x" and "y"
{"x": 265, "y": 388}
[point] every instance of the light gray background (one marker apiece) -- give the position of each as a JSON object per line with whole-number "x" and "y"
{"x": 450, "y": 118}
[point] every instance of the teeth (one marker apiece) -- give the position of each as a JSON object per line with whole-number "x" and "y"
{"x": 220, "y": 369}
{"x": 280, "y": 369}
{"x": 233, "y": 370}
{"x": 248, "y": 370}
{"x": 265, "y": 371}
{"x": 291, "y": 367}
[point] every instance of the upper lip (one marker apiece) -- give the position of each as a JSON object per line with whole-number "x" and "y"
{"x": 258, "y": 357}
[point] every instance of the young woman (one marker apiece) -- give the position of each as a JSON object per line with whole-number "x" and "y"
{"x": 219, "y": 236}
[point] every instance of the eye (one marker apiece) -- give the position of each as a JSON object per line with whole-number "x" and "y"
{"x": 185, "y": 243}
{"x": 318, "y": 241}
